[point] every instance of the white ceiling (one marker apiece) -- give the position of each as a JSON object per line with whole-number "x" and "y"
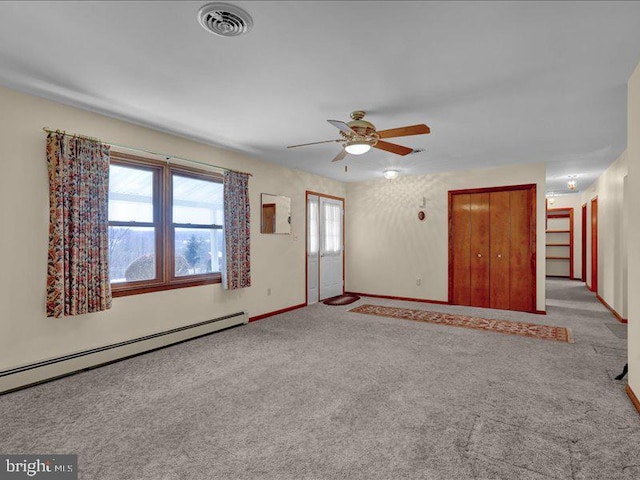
{"x": 498, "y": 82}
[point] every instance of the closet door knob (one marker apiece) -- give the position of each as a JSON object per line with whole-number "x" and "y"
{"x": 499, "y": 255}
{"x": 479, "y": 255}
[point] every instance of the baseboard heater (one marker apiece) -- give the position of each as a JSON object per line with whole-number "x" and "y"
{"x": 39, "y": 372}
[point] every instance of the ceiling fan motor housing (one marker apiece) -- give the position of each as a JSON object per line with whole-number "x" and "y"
{"x": 364, "y": 130}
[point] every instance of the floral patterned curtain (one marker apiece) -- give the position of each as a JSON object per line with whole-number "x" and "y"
{"x": 236, "y": 272}
{"x": 78, "y": 270}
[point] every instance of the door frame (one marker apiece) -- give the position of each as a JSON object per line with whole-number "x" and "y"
{"x": 594, "y": 245}
{"x": 565, "y": 213}
{"x": 583, "y": 254}
{"x": 306, "y": 241}
{"x": 533, "y": 238}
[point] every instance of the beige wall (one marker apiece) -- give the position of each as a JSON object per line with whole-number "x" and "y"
{"x": 573, "y": 200}
{"x": 633, "y": 188}
{"x": 26, "y": 335}
{"x": 610, "y": 188}
{"x": 389, "y": 249}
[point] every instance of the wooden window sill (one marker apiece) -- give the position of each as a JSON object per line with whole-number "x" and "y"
{"x": 137, "y": 290}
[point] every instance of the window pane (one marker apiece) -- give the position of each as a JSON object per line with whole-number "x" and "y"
{"x": 197, "y": 251}
{"x": 314, "y": 235}
{"x": 130, "y": 194}
{"x": 132, "y": 254}
{"x": 197, "y": 201}
{"x": 332, "y": 241}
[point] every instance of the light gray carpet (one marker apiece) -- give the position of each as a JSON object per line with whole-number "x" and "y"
{"x": 320, "y": 393}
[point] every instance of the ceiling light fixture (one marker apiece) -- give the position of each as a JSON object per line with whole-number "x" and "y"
{"x": 572, "y": 184}
{"x": 550, "y": 198}
{"x": 357, "y": 147}
{"x": 390, "y": 174}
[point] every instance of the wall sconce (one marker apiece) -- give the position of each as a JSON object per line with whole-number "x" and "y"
{"x": 572, "y": 184}
{"x": 391, "y": 174}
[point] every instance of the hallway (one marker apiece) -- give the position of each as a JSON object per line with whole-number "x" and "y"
{"x": 603, "y": 414}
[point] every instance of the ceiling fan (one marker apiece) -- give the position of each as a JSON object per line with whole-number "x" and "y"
{"x": 358, "y": 136}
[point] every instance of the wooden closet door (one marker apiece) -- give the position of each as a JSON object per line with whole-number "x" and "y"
{"x": 500, "y": 251}
{"x": 460, "y": 285}
{"x": 521, "y": 255}
{"x": 479, "y": 271}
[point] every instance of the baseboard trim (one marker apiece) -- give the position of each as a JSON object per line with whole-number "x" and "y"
{"x": 58, "y": 367}
{"x": 540, "y": 312}
{"x": 277, "y": 312}
{"x": 390, "y": 297}
{"x": 565, "y": 276}
{"x": 612, "y": 310}
{"x": 633, "y": 398}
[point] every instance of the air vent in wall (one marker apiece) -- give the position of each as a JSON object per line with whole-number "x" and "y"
{"x": 224, "y": 19}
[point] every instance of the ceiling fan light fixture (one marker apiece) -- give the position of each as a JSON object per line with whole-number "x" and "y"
{"x": 572, "y": 184}
{"x": 390, "y": 174}
{"x": 357, "y": 147}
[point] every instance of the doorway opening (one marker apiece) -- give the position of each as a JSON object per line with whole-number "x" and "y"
{"x": 325, "y": 247}
{"x": 559, "y": 242}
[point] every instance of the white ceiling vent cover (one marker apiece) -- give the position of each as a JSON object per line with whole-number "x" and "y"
{"x": 224, "y": 19}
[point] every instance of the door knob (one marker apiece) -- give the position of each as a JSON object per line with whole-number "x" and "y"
{"x": 499, "y": 255}
{"x": 479, "y": 255}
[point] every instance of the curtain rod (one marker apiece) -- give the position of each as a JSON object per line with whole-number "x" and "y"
{"x": 167, "y": 156}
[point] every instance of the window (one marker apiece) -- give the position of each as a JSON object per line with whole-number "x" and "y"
{"x": 313, "y": 226}
{"x": 332, "y": 238}
{"x": 165, "y": 226}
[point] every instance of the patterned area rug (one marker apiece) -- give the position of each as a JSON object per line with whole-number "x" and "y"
{"x": 533, "y": 330}
{"x": 341, "y": 300}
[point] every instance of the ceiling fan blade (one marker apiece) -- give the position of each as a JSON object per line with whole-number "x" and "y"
{"x": 393, "y": 148}
{"x": 405, "y": 131}
{"x": 314, "y": 143}
{"x": 342, "y": 127}
{"x": 340, "y": 156}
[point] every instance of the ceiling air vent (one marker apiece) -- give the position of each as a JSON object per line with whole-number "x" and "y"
{"x": 224, "y": 19}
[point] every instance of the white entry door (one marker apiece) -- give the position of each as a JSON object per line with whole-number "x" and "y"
{"x": 331, "y": 278}
{"x": 325, "y": 249}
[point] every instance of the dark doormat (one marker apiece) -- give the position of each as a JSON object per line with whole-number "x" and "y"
{"x": 341, "y": 300}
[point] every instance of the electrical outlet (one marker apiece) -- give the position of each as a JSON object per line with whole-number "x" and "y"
{"x": 418, "y": 282}
{"x": 268, "y": 292}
